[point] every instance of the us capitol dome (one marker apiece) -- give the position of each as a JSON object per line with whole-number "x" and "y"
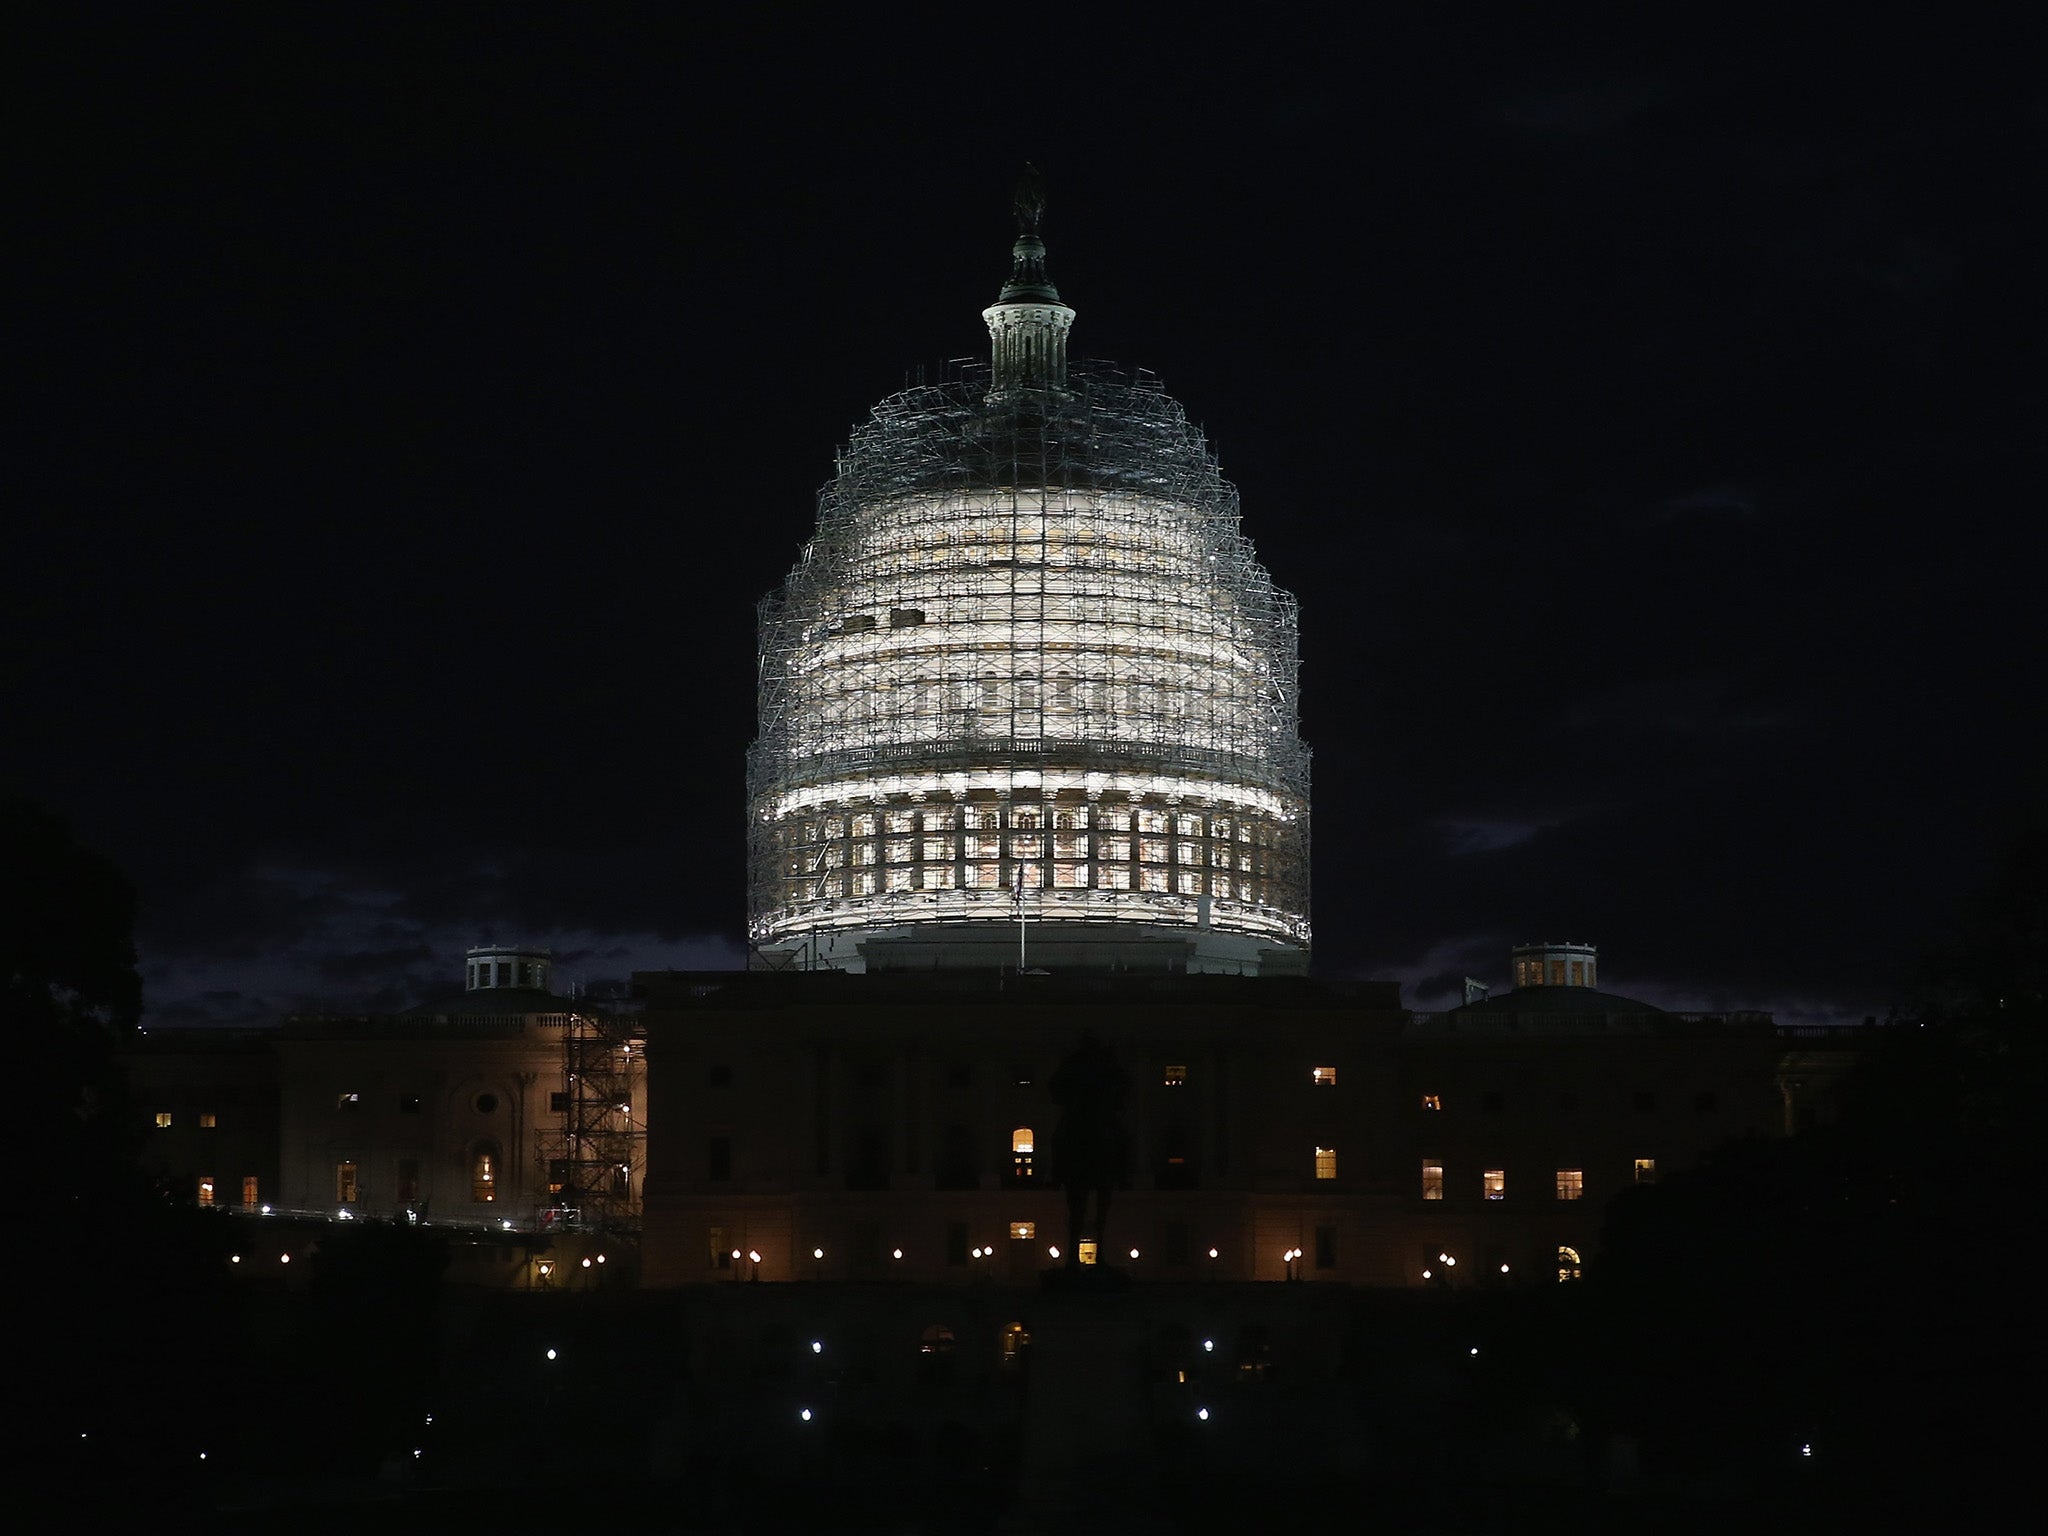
{"x": 1028, "y": 698}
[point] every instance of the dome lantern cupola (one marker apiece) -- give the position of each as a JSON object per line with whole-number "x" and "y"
{"x": 1027, "y": 324}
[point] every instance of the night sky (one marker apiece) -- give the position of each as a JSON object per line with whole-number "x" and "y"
{"x": 417, "y": 401}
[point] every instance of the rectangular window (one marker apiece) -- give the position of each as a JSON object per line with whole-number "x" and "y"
{"x": 1151, "y": 821}
{"x": 1086, "y": 1252}
{"x": 938, "y": 850}
{"x": 719, "y": 1249}
{"x": 345, "y": 1182}
{"x": 1152, "y": 850}
{"x": 899, "y": 879}
{"x": 558, "y": 1102}
{"x": 1176, "y": 1076}
{"x": 1646, "y": 1170}
{"x": 718, "y": 1158}
{"x": 864, "y": 825}
{"x": 1023, "y": 1231}
{"x": 899, "y": 850}
{"x": 249, "y": 1190}
{"x": 206, "y": 1189}
{"x": 208, "y": 1121}
{"x": 1432, "y": 1180}
{"x": 1030, "y": 846}
{"x": 1113, "y": 821}
{"x": 1071, "y": 846}
{"x": 1188, "y": 882}
{"x": 864, "y": 884}
{"x": 1571, "y": 1183}
{"x": 1115, "y": 849}
{"x": 1116, "y": 877}
{"x": 1326, "y": 1247}
{"x": 1323, "y": 1077}
{"x": 1326, "y": 1162}
{"x": 899, "y": 821}
{"x": 1152, "y": 880}
{"x": 1432, "y": 1101}
{"x": 163, "y": 1119}
{"x": 1070, "y": 877}
{"x": 1495, "y": 1181}
{"x": 938, "y": 877}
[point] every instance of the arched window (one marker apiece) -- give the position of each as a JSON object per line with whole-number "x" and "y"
{"x": 483, "y": 1173}
{"x": 1022, "y": 1150}
{"x": 1567, "y": 1263}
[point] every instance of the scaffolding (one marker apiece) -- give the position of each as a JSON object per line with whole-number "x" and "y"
{"x": 1029, "y": 663}
{"x": 595, "y": 1155}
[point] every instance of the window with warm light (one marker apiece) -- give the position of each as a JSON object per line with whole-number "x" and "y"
{"x": 1571, "y": 1183}
{"x": 345, "y": 1182}
{"x": 163, "y": 1119}
{"x": 1326, "y": 1162}
{"x": 1022, "y": 1151}
{"x": 1496, "y": 1183}
{"x": 1323, "y": 1077}
{"x": 1086, "y": 1251}
{"x": 1432, "y": 1101}
{"x": 1432, "y": 1179}
{"x": 206, "y": 1189}
{"x": 1176, "y": 1076}
{"x": 483, "y": 1175}
{"x": 249, "y": 1189}
{"x": 1568, "y": 1266}
{"x": 1646, "y": 1170}
{"x": 1023, "y": 1231}
{"x": 208, "y": 1121}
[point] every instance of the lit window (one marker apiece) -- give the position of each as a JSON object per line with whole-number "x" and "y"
{"x": 899, "y": 821}
{"x": 1116, "y": 877}
{"x": 1189, "y": 882}
{"x": 1432, "y": 1180}
{"x": 1568, "y": 1264}
{"x": 863, "y": 826}
{"x": 1496, "y": 1183}
{"x": 1022, "y": 1148}
{"x": 1152, "y": 850}
{"x": 1026, "y": 846}
{"x": 1323, "y": 1077}
{"x": 208, "y": 1121}
{"x": 345, "y": 1182}
{"x": 1115, "y": 848}
{"x": 1187, "y": 826}
{"x": 1578, "y": 973}
{"x": 899, "y": 879}
{"x": 163, "y": 1119}
{"x": 249, "y": 1190}
{"x": 1176, "y": 1076}
{"x": 1152, "y": 879}
{"x": 1557, "y": 973}
{"x": 938, "y": 849}
{"x": 1646, "y": 1170}
{"x": 899, "y": 850}
{"x": 1571, "y": 1183}
{"x": 483, "y": 1175}
{"x": 1023, "y": 1230}
{"x": 1432, "y": 1101}
{"x": 938, "y": 877}
{"x": 1326, "y": 1162}
{"x": 206, "y": 1189}
{"x": 1086, "y": 1250}
{"x": 1151, "y": 821}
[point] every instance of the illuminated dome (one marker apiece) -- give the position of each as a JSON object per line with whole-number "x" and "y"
{"x": 1028, "y": 666}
